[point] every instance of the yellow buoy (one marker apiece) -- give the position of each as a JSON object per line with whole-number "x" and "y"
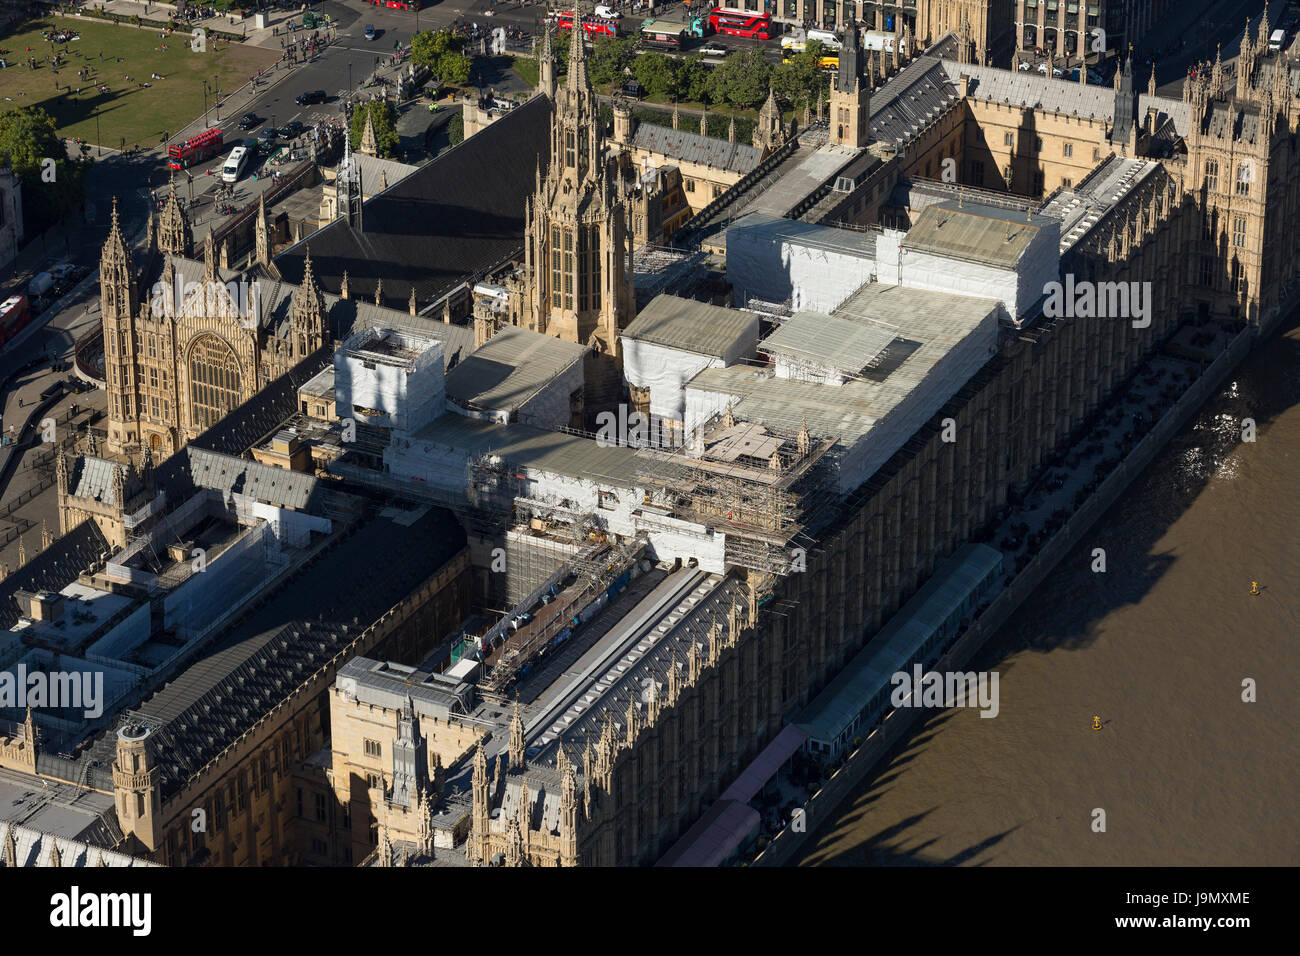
{"x": 1254, "y": 587}
{"x": 1096, "y": 723}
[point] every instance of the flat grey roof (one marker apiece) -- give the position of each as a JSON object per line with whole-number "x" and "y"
{"x": 832, "y": 341}
{"x": 691, "y": 326}
{"x": 972, "y": 230}
{"x": 522, "y": 445}
{"x": 510, "y": 368}
{"x": 930, "y": 323}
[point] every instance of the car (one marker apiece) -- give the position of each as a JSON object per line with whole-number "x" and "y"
{"x": 1025, "y": 66}
{"x": 1042, "y": 68}
{"x": 291, "y": 130}
{"x": 64, "y": 272}
{"x": 608, "y": 13}
{"x": 268, "y": 136}
{"x": 714, "y": 49}
{"x": 370, "y": 31}
{"x": 311, "y": 97}
{"x": 248, "y": 121}
{"x": 252, "y": 145}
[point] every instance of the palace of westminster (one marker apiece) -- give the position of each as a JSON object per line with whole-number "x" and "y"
{"x": 336, "y": 685}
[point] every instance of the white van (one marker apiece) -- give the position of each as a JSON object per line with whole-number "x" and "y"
{"x": 235, "y": 164}
{"x": 1276, "y": 40}
{"x": 828, "y": 39}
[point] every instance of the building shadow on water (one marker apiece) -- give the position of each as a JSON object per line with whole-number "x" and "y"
{"x": 1073, "y": 600}
{"x": 1066, "y": 610}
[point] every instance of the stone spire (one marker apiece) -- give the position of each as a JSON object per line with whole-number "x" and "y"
{"x": 173, "y": 230}
{"x": 1263, "y": 31}
{"x": 677, "y": 116}
{"x": 379, "y": 291}
{"x": 348, "y": 187}
{"x": 546, "y": 65}
{"x": 1151, "y": 81}
{"x": 209, "y": 259}
{"x": 307, "y": 313}
{"x": 704, "y": 122}
{"x": 577, "y": 79}
{"x": 369, "y": 142}
{"x": 516, "y": 739}
{"x": 116, "y": 274}
{"x": 263, "y": 229}
{"x": 411, "y": 304}
{"x": 767, "y": 132}
{"x": 343, "y": 286}
{"x": 731, "y": 130}
{"x": 1216, "y": 73}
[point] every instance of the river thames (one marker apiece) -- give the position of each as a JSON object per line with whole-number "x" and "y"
{"x": 1158, "y": 646}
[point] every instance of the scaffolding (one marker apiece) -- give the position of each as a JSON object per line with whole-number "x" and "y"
{"x": 757, "y": 485}
{"x": 597, "y": 571}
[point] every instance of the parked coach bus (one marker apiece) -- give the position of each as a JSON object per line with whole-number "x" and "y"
{"x": 741, "y": 23}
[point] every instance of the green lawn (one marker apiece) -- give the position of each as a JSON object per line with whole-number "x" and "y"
{"x": 127, "y": 112}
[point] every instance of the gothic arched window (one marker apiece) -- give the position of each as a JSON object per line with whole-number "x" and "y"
{"x": 215, "y": 381}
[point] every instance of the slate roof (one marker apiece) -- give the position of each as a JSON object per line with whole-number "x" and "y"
{"x": 1032, "y": 89}
{"x": 96, "y": 480}
{"x": 452, "y": 219}
{"x": 260, "y": 660}
{"x": 226, "y": 473}
{"x": 914, "y": 97}
{"x": 691, "y": 326}
{"x": 689, "y": 147}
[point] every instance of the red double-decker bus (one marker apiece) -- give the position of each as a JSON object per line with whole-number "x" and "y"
{"x": 595, "y": 26}
{"x": 14, "y": 316}
{"x": 195, "y": 150}
{"x": 741, "y": 23}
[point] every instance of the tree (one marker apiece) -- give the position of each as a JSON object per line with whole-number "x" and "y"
{"x": 385, "y": 118}
{"x": 694, "y": 81}
{"x": 742, "y": 80}
{"x": 440, "y": 51}
{"x": 609, "y": 58}
{"x": 456, "y": 129}
{"x": 658, "y": 74}
{"x": 28, "y": 138}
{"x": 801, "y": 78}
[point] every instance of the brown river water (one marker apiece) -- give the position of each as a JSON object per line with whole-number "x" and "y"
{"x": 1158, "y": 647}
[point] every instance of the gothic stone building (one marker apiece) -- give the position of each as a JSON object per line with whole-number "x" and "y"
{"x": 187, "y": 340}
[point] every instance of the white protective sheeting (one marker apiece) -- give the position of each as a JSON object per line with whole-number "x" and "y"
{"x": 815, "y": 268}
{"x": 665, "y": 371}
